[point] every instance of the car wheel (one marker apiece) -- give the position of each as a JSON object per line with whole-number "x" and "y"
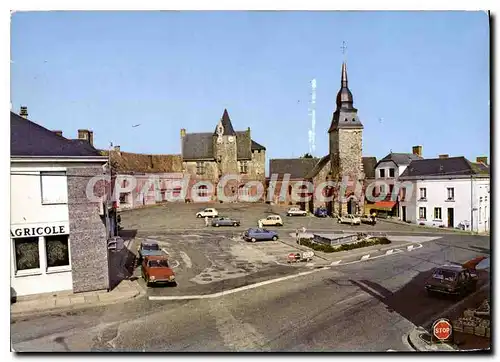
{"x": 235, "y": 224}
{"x": 254, "y": 240}
{"x": 275, "y": 238}
{"x": 216, "y": 225}
{"x": 198, "y": 216}
{"x": 148, "y": 284}
{"x": 280, "y": 224}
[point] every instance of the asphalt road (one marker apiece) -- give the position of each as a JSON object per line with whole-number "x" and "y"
{"x": 367, "y": 306}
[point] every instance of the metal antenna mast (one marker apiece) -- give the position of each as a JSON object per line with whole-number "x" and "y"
{"x": 312, "y": 113}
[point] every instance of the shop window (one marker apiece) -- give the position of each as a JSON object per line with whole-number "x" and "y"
{"x": 124, "y": 198}
{"x": 54, "y": 188}
{"x": 27, "y": 254}
{"x": 57, "y": 250}
{"x": 176, "y": 192}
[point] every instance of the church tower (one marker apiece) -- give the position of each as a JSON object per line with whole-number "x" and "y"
{"x": 346, "y": 145}
{"x": 225, "y": 146}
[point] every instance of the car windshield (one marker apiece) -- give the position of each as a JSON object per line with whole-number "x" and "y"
{"x": 158, "y": 264}
{"x": 150, "y": 247}
{"x": 446, "y": 275}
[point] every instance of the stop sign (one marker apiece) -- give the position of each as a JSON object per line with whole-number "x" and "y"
{"x": 442, "y": 329}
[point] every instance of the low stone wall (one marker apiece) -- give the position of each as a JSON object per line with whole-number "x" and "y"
{"x": 334, "y": 239}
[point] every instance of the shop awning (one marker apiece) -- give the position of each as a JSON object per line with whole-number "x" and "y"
{"x": 383, "y": 205}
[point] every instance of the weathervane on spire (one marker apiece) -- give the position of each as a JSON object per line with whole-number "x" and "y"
{"x": 344, "y": 48}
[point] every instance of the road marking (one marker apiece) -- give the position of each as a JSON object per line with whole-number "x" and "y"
{"x": 336, "y": 262}
{"x": 165, "y": 251}
{"x": 236, "y": 290}
{"x": 413, "y": 238}
{"x": 364, "y": 257}
{"x": 310, "y": 264}
{"x": 389, "y": 252}
{"x": 409, "y": 248}
{"x": 186, "y": 259}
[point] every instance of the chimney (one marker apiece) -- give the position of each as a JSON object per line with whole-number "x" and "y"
{"x": 183, "y": 132}
{"x": 482, "y": 159}
{"x": 24, "y": 112}
{"x": 117, "y": 148}
{"x": 444, "y": 156}
{"x": 59, "y": 133}
{"x": 85, "y": 134}
{"x": 417, "y": 150}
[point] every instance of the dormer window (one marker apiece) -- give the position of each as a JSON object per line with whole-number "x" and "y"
{"x": 391, "y": 172}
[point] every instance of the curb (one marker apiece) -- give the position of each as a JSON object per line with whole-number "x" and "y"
{"x": 138, "y": 293}
{"x": 426, "y": 325}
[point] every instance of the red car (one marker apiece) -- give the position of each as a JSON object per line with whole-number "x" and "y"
{"x": 156, "y": 270}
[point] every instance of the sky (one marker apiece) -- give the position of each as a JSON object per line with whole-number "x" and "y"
{"x": 418, "y": 78}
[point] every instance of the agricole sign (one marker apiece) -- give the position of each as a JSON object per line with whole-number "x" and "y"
{"x": 38, "y": 231}
{"x": 232, "y": 188}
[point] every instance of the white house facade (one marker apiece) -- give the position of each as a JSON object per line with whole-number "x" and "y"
{"x": 57, "y": 234}
{"x": 452, "y": 193}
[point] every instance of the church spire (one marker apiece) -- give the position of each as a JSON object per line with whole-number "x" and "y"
{"x": 343, "y": 80}
{"x": 344, "y": 96}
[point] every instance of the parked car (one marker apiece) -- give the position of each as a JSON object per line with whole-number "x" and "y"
{"x": 295, "y": 211}
{"x": 321, "y": 212}
{"x": 149, "y": 248}
{"x": 155, "y": 270}
{"x": 451, "y": 279}
{"x": 254, "y": 235}
{"x": 366, "y": 219}
{"x": 349, "y": 219}
{"x": 225, "y": 221}
{"x": 272, "y": 220}
{"x": 208, "y": 212}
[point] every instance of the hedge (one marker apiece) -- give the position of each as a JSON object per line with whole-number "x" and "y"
{"x": 344, "y": 247}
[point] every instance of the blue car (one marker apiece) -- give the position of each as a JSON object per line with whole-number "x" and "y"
{"x": 321, "y": 212}
{"x": 259, "y": 234}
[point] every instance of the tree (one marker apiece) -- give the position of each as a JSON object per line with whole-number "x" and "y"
{"x": 307, "y": 155}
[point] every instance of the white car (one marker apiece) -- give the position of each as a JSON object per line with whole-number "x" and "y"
{"x": 295, "y": 211}
{"x": 271, "y": 220}
{"x": 349, "y": 219}
{"x": 208, "y": 212}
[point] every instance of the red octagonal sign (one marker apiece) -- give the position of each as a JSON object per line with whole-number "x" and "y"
{"x": 442, "y": 329}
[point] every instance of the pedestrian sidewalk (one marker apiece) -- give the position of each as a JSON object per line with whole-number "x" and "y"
{"x": 67, "y": 300}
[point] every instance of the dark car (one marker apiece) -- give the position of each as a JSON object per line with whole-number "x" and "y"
{"x": 321, "y": 212}
{"x": 225, "y": 221}
{"x": 149, "y": 248}
{"x": 260, "y": 234}
{"x": 451, "y": 279}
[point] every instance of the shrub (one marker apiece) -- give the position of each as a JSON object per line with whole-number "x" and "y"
{"x": 344, "y": 247}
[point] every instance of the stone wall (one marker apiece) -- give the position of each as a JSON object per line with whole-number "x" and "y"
{"x": 257, "y": 166}
{"x": 89, "y": 252}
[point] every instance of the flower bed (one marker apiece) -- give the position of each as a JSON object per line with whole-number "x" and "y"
{"x": 344, "y": 247}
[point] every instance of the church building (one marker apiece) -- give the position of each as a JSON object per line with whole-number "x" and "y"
{"x": 345, "y": 159}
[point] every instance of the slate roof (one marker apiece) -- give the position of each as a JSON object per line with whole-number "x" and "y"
{"x": 226, "y": 123}
{"x": 30, "y": 139}
{"x": 197, "y": 146}
{"x": 126, "y": 162}
{"x": 257, "y": 146}
{"x": 450, "y": 167}
{"x": 318, "y": 166}
{"x": 244, "y": 145}
{"x": 400, "y": 159}
{"x": 298, "y": 168}
{"x": 369, "y": 164}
